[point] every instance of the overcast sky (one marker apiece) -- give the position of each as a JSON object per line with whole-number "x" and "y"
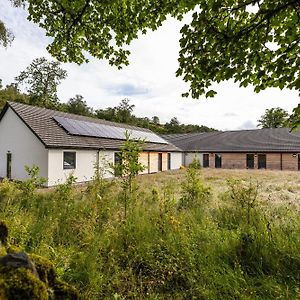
{"x": 149, "y": 81}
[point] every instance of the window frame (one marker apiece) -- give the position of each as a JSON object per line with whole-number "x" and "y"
{"x": 247, "y": 160}
{"x": 218, "y": 156}
{"x": 73, "y": 166}
{"x": 259, "y": 162}
{"x": 206, "y": 164}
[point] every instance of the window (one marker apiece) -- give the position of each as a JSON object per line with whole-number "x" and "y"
{"x": 250, "y": 161}
{"x": 69, "y": 160}
{"x": 118, "y": 164}
{"x": 262, "y": 161}
{"x": 218, "y": 161}
{"x": 169, "y": 161}
{"x": 159, "y": 162}
{"x": 205, "y": 160}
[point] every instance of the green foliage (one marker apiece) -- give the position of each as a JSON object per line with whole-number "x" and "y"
{"x": 128, "y": 168}
{"x": 12, "y": 93}
{"x": 193, "y": 192}
{"x": 242, "y": 204}
{"x": 294, "y": 119}
{"x": 251, "y": 41}
{"x": 65, "y": 191}
{"x": 274, "y": 118}
{"x": 124, "y": 113}
{"x": 78, "y": 106}
{"x": 6, "y": 36}
{"x": 238, "y": 247}
{"x": 29, "y": 186}
{"x": 41, "y": 78}
{"x": 34, "y": 278}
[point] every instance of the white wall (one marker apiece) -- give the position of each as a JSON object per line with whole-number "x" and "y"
{"x": 190, "y": 156}
{"x": 105, "y": 159}
{"x": 176, "y": 160}
{"x": 25, "y": 147}
{"x": 86, "y": 161}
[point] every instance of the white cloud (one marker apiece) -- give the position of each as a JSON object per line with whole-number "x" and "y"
{"x": 247, "y": 125}
{"x": 149, "y": 81}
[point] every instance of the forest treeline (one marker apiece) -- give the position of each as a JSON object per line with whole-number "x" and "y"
{"x": 122, "y": 113}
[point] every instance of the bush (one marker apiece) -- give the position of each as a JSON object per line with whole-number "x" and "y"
{"x": 194, "y": 192}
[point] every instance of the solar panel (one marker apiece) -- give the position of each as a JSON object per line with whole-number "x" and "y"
{"x": 85, "y": 128}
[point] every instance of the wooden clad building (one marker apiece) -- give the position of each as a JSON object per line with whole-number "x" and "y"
{"x": 272, "y": 149}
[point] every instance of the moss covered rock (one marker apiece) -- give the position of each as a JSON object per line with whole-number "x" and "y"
{"x": 29, "y": 277}
{"x": 59, "y": 289}
{"x": 20, "y": 283}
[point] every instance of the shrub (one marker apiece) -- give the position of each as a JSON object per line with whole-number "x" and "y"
{"x": 193, "y": 192}
{"x": 128, "y": 168}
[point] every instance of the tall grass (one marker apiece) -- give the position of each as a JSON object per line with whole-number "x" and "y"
{"x": 176, "y": 243}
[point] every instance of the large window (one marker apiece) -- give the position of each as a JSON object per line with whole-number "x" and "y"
{"x": 159, "y": 162}
{"x": 69, "y": 160}
{"x": 262, "y": 161}
{"x": 205, "y": 160}
{"x": 218, "y": 161}
{"x": 250, "y": 161}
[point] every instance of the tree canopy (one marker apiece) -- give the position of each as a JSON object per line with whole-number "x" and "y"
{"x": 252, "y": 41}
{"x": 11, "y": 92}
{"x": 77, "y": 105}
{"x": 122, "y": 113}
{"x": 274, "y": 118}
{"x": 41, "y": 79}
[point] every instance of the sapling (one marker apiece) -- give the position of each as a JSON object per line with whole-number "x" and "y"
{"x": 127, "y": 168}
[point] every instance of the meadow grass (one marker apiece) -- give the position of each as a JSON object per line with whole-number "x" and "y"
{"x": 212, "y": 234}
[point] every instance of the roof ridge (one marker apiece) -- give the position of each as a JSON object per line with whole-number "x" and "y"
{"x": 76, "y": 116}
{"x": 41, "y": 122}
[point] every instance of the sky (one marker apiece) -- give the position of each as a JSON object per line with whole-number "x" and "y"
{"x": 149, "y": 81}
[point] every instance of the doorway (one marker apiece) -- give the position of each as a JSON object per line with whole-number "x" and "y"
{"x": 262, "y": 161}
{"x": 8, "y": 165}
{"x": 205, "y": 160}
{"x": 169, "y": 161}
{"x": 218, "y": 161}
{"x": 159, "y": 162}
{"x": 250, "y": 161}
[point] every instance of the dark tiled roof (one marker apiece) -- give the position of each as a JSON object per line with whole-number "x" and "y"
{"x": 40, "y": 121}
{"x": 257, "y": 140}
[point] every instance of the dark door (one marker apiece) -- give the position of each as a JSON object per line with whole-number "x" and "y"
{"x": 298, "y": 162}
{"x": 159, "y": 162}
{"x": 8, "y": 165}
{"x": 250, "y": 161}
{"x": 218, "y": 161}
{"x": 169, "y": 161}
{"x": 262, "y": 161}
{"x": 205, "y": 160}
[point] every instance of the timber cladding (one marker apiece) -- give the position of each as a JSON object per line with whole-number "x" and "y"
{"x": 143, "y": 159}
{"x": 290, "y": 161}
{"x": 274, "y": 161}
{"x": 153, "y": 161}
